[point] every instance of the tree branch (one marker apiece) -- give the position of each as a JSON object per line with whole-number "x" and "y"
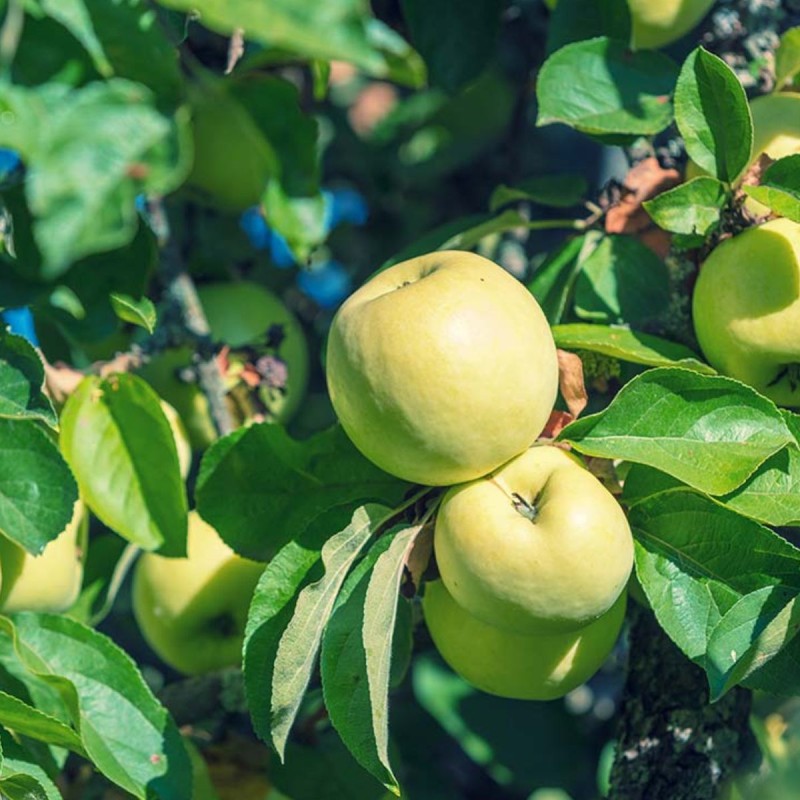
{"x": 183, "y": 293}
{"x": 673, "y": 744}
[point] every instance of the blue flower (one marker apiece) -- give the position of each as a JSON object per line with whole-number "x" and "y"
{"x": 20, "y": 321}
{"x": 326, "y": 284}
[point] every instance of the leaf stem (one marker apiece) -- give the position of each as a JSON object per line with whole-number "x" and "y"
{"x": 11, "y": 33}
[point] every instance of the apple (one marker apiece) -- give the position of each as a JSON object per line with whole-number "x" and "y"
{"x": 50, "y": 581}
{"x": 232, "y": 160}
{"x": 441, "y": 368}
{"x": 517, "y": 665}
{"x": 746, "y": 309}
{"x": 540, "y": 545}
{"x": 238, "y": 314}
{"x": 657, "y": 23}
{"x": 192, "y": 611}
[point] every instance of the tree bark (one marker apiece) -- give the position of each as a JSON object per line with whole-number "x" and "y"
{"x": 673, "y": 744}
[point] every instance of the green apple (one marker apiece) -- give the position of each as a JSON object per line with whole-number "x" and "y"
{"x": 746, "y": 309}
{"x": 516, "y": 665}
{"x": 238, "y": 314}
{"x": 192, "y": 611}
{"x": 442, "y": 368}
{"x": 50, "y": 581}
{"x": 232, "y": 159}
{"x": 540, "y": 545}
{"x": 657, "y": 23}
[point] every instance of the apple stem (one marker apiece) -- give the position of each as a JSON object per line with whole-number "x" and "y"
{"x": 528, "y": 510}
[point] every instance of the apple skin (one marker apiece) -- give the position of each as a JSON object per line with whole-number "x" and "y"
{"x": 238, "y": 314}
{"x": 746, "y": 309}
{"x": 50, "y": 581}
{"x": 555, "y": 573}
{"x": 519, "y": 666}
{"x": 657, "y": 23}
{"x": 441, "y": 368}
{"x": 192, "y": 611}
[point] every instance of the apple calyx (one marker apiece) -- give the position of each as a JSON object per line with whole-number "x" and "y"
{"x": 223, "y": 625}
{"x": 528, "y": 510}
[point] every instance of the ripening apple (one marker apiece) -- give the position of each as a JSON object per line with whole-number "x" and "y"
{"x": 50, "y": 581}
{"x": 192, "y": 611}
{"x": 232, "y": 159}
{"x": 441, "y": 368}
{"x": 516, "y": 665}
{"x": 657, "y": 23}
{"x": 746, "y": 309}
{"x": 239, "y": 313}
{"x": 540, "y": 545}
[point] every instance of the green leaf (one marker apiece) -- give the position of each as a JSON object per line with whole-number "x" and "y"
{"x": 708, "y": 431}
{"x": 85, "y": 170}
{"x": 28, "y": 721}
{"x": 696, "y": 559}
{"x": 599, "y": 86}
{"x": 772, "y": 494}
{"x": 779, "y": 189}
{"x": 622, "y": 280}
{"x": 627, "y": 345}
{"x": 22, "y": 380}
{"x": 37, "y": 490}
{"x": 294, "y": 567}
{"x": 335, "y": 30}
{"x": 693, "y": 208}
{"x": 780, "y": 675}
{"x": 124, "y": 39}
{"x": 576, "y": 20}
{"x": 140, "y": 312}
{"x": 457, "y": 40}
{"x": 559, "y": 191}
{"x": 470, "y": 237}
{"x": 24, "y": 787}
{"x": 749, "y": 635}
{"x": 299, "y": 644}
{"x": 713, "y": 116}
{"x": 358, "y": 649}
{"x": 787, "y": 57}
{"x": 93, "y": 279}
{"x": 126, "y": 733}
{"x": 121, "y": 448}
{"x": 21, "y": 777}
{"x": 284, "y": 485}
{"x": 553, "y": 281}
{"x": 380, "y": 615}
{"x": 343, "y": 665}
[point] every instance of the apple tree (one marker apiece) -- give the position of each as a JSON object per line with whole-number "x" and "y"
{"x": 247, "y": 530}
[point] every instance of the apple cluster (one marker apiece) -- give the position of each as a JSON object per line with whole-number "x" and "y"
{"x": 443, "y": 371}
